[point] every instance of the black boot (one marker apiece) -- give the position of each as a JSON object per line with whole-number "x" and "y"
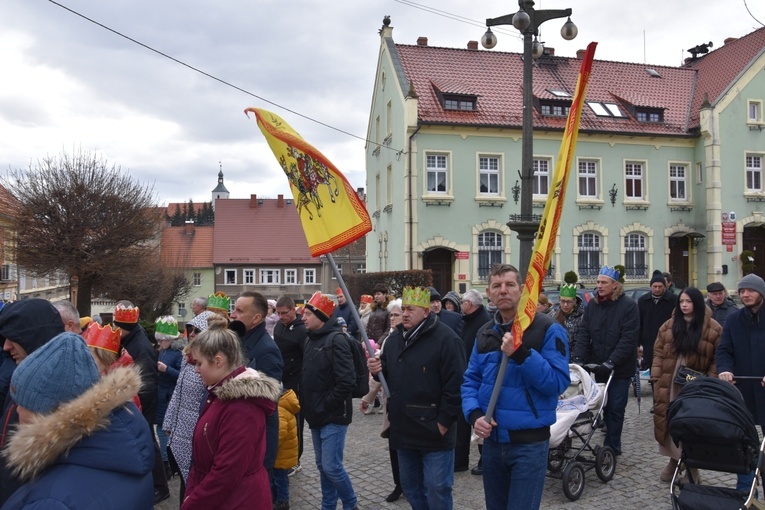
{"x": 168, "y": 470}
{"x": 393, "y": 496}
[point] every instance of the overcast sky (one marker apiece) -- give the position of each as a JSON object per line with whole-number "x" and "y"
{"x": 68, "y": 83}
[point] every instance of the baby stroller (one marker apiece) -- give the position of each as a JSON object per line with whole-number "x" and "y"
{"x": 579, "y": 415}
{"x": 710, "y": 422}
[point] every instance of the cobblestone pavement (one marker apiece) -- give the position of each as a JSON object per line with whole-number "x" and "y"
{"x": 635, "y": 485}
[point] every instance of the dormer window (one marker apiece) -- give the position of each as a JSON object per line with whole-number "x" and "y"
{"x": 649, "y": 115}
{"x": 606, "y": 109}
{"x": 554, "y": 108}
{"x": 459, "y": 102}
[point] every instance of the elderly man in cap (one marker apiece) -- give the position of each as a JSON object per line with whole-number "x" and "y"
{"x": 721, "y": 304}
{"x": 451, "y": 319}
{"x": 423, "y": 362}
{"x": 608, "y": 336}
{"x": 741, "y": 352}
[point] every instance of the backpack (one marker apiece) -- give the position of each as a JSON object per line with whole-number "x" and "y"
{"x": 361, "y": 386}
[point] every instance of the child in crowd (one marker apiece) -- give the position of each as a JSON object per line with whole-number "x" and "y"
{"x": 287, "y": 455}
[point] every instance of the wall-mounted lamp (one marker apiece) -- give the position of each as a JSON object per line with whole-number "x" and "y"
{"x": 612, "y": 193}
{"x": 516, "y": 191}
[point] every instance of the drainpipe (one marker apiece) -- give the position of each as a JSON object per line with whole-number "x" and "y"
{"x": 411, "y": 206}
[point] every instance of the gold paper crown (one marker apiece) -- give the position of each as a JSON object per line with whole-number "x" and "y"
{"x": 167, "y": 325}
{"x": 128, "y": 315}
{"x": 219, "y": 301}
{"x": 103, "y": 337}
{"x": 322, "y": 305}
{"x": 416, "y": 296}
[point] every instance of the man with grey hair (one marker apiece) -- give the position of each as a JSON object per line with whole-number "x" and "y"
{"x": 69, "y": 316}
{"x": 199, "y": 305}
{"x": 474, "y": 315}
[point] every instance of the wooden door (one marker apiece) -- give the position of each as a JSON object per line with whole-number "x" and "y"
{"x": 439, "y": 261}
{"x": 679, "y": 257}
{"x": 754, "y": 240}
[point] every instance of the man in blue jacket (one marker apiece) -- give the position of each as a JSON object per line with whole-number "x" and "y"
{"x": 516, "y": 442}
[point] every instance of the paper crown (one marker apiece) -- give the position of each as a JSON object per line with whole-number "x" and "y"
{"x": 366, "y": 298}
{"x": 568, "y": 290}
{"x": 103, "y": 337}
{"x": 128, "y": 315}
{"x": 611, "y": 272}
{"x": 416, "y": 296}
{"x": 168, "y": 326}
{"x": 321, "y": 305}
{"x": 339, "y": 291}
{"x": 219, "y": 301}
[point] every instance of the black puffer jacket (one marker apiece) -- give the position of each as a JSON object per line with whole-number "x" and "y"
{"x": 137, "y": 344}
{"x": 328, "y": 379}
{"x": 472, "y": 322}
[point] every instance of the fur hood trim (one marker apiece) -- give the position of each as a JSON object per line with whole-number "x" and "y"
{"x": 249, "y": 384}
{"x": 35, "y": 446}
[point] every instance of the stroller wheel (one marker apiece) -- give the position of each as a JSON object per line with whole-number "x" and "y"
{"x": 605, "y": 463}
{"x": 573, "y": 481}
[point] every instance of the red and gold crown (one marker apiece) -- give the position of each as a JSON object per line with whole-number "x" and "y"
{"x": 366, "y": 298}
{"x": 128, "y": 315}
{"x": 321, "y": 305}
{"x": 219, "y": 302}
{"x": 103, "y": 337}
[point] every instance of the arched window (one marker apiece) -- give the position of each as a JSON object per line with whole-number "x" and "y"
{"x": 635, "y": 257}
{"x": 589, "y": 255}
{"x": 489, "y": 252}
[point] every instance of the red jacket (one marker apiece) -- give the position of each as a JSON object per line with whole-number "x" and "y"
{"x": 230, "y": 442}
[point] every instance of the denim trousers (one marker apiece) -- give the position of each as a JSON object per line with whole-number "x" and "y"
{"x": 618, "y": 394}
{"x": 281, "y": 485}
{"x": 328, "y": 445}
{"x": 162, "y": 437}
{"x": 427, "y": 478}
{"x": 514, "y": 474}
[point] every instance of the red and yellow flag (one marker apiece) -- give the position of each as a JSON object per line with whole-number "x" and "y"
{"x": 548, "y": 229}
{"x": 331, "y": 213}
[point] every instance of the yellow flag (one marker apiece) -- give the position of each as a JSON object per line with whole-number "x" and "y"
{"x": 548, "y": 229}
{"x": 331, "y": 213}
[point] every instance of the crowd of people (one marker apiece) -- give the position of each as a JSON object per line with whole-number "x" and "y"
{"x": 222, "y": 402}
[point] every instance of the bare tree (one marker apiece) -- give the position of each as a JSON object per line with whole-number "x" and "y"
{"x": 88, "y": 219}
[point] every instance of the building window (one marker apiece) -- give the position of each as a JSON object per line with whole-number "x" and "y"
{"x": 249, "y": 276}
{"x": 589, "y": 255}
{"x": 463, "y": 103}
{"x": 360, "y": 268}
{"x": 181, "y": 309}
{"x": 488, "y": 169}
{"x": 648, "y": 115}
{"x": 389, "y": 185}
{"x": 5, "y": 275}
{"x": 588, "y": 178}
{"x": 554, "y": 109}
{"x": 290, "y": 276}
{"x": 377, "y": 192}
{"x": 388, "y": 118}
{"x": 678, "y": 179}
{"x": 230, "y": 277}
{"x": 753, "y": 172}
{"x": 269, "y": 276}
{"x": 754, "y": 112}
{"x": 489, "y": 252}
{"x": 606, "y": 109}
{"x": 635, "y": 257}
{"x": 231, "y": 306}
{"x": 541, "y": 180}
{"x": 196, "y": 279}
{"x": 633, "y": 173}
{"x": 309, "y": 276}
{"x": 437, "y": 173}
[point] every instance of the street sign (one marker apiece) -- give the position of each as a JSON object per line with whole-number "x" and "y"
{"x": 729, "y": 233}
{"x": 463, "y": 255}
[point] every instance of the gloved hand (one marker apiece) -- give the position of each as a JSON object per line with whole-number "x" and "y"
{"x": 604, "y": 369}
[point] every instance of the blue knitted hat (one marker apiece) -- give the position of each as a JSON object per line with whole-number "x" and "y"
{"x": 56, "y": 373}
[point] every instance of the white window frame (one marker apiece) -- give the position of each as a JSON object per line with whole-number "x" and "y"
{"x": 594, "y": 245}
{"x": 593, "y": 194}
{"x": 676, "y": 181}
{"x": 635, "y": 242}
{"x": 433, "y": 162}
{"x": 753, "y": 172}
{"x": 269, "y": 272}
{"x": 309, "y": 276}
{"x": 290, "y": 276}
{"x": 226, "y": 272}
{"x": 181, "y": 306}
{"x": 196, "y": 279}
{"x": 490, "y": 166}
{"x": 754, "y": 111}
{"x": 491, "y": 247}
{"x": 248, "y": 276}
{"x": 629, "y": 175}
{"x": 541, "y": 175}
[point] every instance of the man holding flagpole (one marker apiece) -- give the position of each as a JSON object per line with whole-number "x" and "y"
{"x": 517, "y": 439}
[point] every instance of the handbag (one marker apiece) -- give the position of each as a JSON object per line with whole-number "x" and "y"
{"x": 686, "y": 375}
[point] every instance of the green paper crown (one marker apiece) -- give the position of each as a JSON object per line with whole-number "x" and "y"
{"x": 568, "y": 291}
{"x": 167, "y": 325}
{"x": 219, "y": 301}
{"x": 416, "y": 296}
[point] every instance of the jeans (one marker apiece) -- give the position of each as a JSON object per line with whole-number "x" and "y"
{"x": 618, "y": 394}
{"x": 281, "y": 485}
{"x": 162, "y": 442}
{"x": 328, "y": 445}
{"x": 427, "y": 478}
{"x": 514, "y": 474}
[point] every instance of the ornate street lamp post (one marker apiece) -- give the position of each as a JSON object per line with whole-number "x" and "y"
{"x": 527, "y": 20}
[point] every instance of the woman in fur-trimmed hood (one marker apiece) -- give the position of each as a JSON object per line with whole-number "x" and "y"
{"x": 81, "y": 442}
{"x": 230, "y": 436}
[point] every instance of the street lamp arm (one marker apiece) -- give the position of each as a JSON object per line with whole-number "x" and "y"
{"x": 540, "y": 17}
{"x": 507, "y": 19}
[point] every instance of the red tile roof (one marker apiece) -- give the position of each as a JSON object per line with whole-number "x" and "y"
{"x": 496, "y": 78}
{"x": 264, "y": 234}
{"x": 719, "y": 68}
{"x": 183, "y": 247}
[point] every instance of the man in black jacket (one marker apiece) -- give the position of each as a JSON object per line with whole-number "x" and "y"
{"x": 289, "y": 335}
{"x": 327, "y": 383}
{"x": 451, "y": 319}
{"x": 343, "y": 309}
{"x": 423, "y": 362}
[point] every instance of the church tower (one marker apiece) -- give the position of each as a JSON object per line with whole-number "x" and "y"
{"x": 220, "y": 190}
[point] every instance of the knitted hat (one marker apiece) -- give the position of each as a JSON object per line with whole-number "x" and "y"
{"x": 658, "y": 278}
{"x": 321, "y": 305}
{"x": 715, "y": 287}
{"x": 754, "y": 282}
{"x": 341, "y": 322}
{"x": 434, "y": 294}
{"x": 54, "y": 374}
{"x": 272, "y": 303}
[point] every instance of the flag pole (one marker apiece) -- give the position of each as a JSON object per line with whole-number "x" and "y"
{"x": 357, "y": 318}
